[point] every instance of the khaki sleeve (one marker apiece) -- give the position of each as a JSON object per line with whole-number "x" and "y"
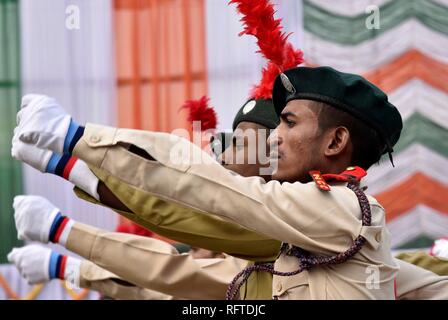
{"x": 153, "y": 264}
{"x": 110, "y": 285}
{"x": 186, "y": 225}
{"x": 415, "y": 283}
{"x": 299, "y": 214}
{"x": 422, "y": 259}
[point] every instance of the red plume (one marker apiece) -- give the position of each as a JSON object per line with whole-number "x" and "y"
{"x": 258, "y": 19}
{"x": 199, "y": 110}
{"x": 132, "y": 228}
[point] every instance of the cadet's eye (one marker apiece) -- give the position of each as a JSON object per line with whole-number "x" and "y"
{"x": 289, "y": 123}
{"x": 285, "y": 118}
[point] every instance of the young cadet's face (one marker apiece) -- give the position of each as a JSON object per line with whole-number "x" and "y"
{"x": 298, "y": 140}
{"x": 248, "y": 151}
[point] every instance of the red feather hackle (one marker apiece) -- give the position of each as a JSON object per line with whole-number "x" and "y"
{"x": 199, "y": 110}
{"x": 259, "y": 21}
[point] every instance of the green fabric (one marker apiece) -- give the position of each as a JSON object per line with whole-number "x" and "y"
{"x": 10, "y": 170}
{"x": 257, "y": 287}
{"x": 347, "y": 30}
{"x": 421, "y": 241}
{"x": 419, "y": 129}
{"x": 425, "y": 261}
{"x": 345, "y": 91}
{"x": 262, "y": 112}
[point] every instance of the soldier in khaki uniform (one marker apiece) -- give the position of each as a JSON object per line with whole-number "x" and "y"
{"x": 253, "y": 116}
{"x": 297, "y": 212}
{"x": 425, "y": 283}
{"x": 168, "y": 271}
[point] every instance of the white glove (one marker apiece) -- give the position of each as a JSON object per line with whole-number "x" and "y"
{"x": 31, "y": 155}
{"x": 34, "y": 216}
{"x": 33, "y": 263}
{"x": 440, "y": 248}
{"x": 42, "y": 122}
{"x": 80, "y": 174}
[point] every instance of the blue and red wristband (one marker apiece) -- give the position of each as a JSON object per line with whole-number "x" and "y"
{"x": 57, "y": 227}
{"x": 74, "y": 133}
{"x": 61, "y": 165}
{"x": 57, "y": 265}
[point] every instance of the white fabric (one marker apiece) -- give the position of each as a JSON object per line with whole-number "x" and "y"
{"x": 43, "y": 123}
{"x": 80, "y": 175}
{"x": 234, "y": 67}
{"x": 33, "y": 263}
{"x": 419, "y": 221}
{"x": 418, "y": 96}
{"x": 65, "y": 232}
{"x": 348, "y": 8}
{"x": 416, "y": 158}
{"x": 372, "y": 54}
{"x": 31, "y": 155}
{"x": 440, "y": 248}
{"x": 77, "y": 67}
{"x": 72, "y": 273}
{"x": 34, "y": 216}
{"x": 83, "y": 178}
{"x": 352, "y": 8}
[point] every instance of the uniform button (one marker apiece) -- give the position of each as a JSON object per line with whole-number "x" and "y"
{"x": 378, "y": 237}
{"x": 279, "y": 287}
{"x": 95, "y": 139}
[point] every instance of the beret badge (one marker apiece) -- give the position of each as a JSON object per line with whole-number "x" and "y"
{"x": 287, "y": 83}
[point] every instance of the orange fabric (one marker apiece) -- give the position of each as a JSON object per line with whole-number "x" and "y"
{"x": 161, "y": 62}
{"x": 412, "y": 64}
{"x": 415, "y": 190}
{"x": 9, "y": 292}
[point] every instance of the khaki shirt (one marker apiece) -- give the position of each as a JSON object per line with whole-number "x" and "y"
{"x": 186, "y": 224}
{"x": 415, "y": 283}
{"x": 299, "y": 214}
{"x": 110, "y": 285}
{"x": 147, "y": 263}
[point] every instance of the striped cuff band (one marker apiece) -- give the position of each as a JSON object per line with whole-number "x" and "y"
{"x": 60, "y": 229}
{"x": 74, "y": 133}
{"x": 57, "y": 265}
{"x": 61, "y": 165}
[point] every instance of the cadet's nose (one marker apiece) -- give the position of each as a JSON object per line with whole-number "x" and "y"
{"x": 274, "y": 140}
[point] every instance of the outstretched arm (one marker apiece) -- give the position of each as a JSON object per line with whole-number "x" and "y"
{"x": 146, "y": 262}
{"x": 166, "y": 218}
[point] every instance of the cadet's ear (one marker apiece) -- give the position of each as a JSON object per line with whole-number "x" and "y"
{"x": 338, "y": 142}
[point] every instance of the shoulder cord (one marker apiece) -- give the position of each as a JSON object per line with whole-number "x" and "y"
{"x": 306, "y": 260}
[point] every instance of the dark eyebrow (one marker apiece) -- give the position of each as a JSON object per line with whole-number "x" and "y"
{"x": 285, "y": 115}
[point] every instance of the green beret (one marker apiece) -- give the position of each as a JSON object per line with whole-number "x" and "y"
{"x": 348, "y": 92}
{"x": 261, "y": 112}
